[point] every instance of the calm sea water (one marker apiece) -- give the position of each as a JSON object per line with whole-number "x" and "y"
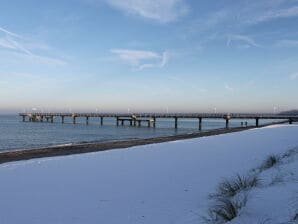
{"x": 15, "y": 134}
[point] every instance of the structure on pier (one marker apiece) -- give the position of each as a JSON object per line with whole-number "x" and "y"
{"x": 150, "y": 118}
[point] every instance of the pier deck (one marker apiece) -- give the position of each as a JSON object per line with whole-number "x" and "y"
{"x": 150, "y": 118}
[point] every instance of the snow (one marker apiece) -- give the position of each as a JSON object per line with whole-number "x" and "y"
{"x": 164, "y": 183}
{"x": 276, "y": 200}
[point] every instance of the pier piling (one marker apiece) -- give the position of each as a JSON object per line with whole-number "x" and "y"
{"x": 176, "y": 122}
{"x": 257, "y": 122}
{"x": 227, "y": 123}
{"x": 200, "y": 123}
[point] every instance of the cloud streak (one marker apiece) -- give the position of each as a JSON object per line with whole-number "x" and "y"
{"x": 294, "y": 76}
{"x": 14, "y": 45}
{"x": 142, "y": 59}
{"x": 277, "y": 14}
{"x": 9, "y": 33}
{"x": 242, "y": 15}
{"x": 229, "y": 88}
{"x": 163, "y": 11}
{"x": 241, "y": 38}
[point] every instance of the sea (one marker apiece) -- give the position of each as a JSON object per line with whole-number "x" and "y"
{"x": 16, "y": 135}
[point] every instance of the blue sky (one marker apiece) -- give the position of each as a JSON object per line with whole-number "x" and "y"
{"x": 149, "y": 55}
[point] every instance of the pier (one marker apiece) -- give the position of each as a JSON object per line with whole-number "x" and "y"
{"x": 150, "y": 119}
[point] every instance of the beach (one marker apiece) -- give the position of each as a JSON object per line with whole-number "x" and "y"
{"x": 167, "y": 182}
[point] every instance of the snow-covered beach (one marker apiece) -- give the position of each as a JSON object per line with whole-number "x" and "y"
{"x": 158, "y": 183}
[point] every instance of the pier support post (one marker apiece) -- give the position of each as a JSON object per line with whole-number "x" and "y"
{"x": 87, "y": 120}
{"x": 24, "y": 118}
{"x": 101, "y": 120}
{"x": 52, "y": 119}
{"x": 122, "y": 122}
{"x": 200, "y": 123}
{"x": 47, "y": 119}
{"x": 176, "y": 122}
{"x": 62, "y": 119}
{"x": 130, "y": 122}
{"x": 257, "y": 122}
{"x": 227, "y": 123}
{"x": 290, "y": 121}
{"x": 74, "y": 120}
{"x": 139, "y": 123}
{"x": 149, "y": 124}
{"x": 117, "y": 121}
{"x": 154, "y": 122}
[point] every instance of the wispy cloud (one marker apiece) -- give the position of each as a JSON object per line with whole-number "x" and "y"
{"x": 9, "y": 42}
{"x": 241, "y": 38}
{"x": 243, "y": 14}
{"x": 160, "y": 10}
{"x": 142, "y": 59}
{"x": 294, "y": 76}
{"x": 16, "y": 46}
{"x": 9, "y": 33}
{"x": 249, "y": 13}
{"x": 4, "y": 43}
{"x": 277, "y": 14}
{"x": 229, "y": 88}
{"x": 134, "y": 56}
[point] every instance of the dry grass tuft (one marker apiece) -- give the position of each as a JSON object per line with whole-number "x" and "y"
{"x": 226, "y": 209}
{"x": 290, "y": 153}
{"x": 271, "y": 161}
{"x": 230, "y": 188}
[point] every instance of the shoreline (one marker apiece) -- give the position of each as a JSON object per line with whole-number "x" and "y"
{"x": 80, "y": 148}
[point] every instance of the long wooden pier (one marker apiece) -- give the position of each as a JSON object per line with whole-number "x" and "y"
{"x": 150, "y": 118}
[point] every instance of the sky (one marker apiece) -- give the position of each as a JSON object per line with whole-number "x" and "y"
{"x": 148, "y": 55}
